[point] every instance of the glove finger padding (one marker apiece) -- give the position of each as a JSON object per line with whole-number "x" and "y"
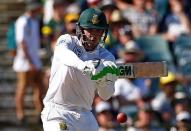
{"x": 110, "y": 64}
{"x": 89, "y": 68}
{"x": 110, "y": 68}
{"x": 93, "y": 67}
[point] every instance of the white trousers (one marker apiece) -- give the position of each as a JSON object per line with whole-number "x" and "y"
{"x": 55, "y": 118}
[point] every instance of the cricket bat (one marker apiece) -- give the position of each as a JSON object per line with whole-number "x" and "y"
{"x": 142, "y": 69}
{"x": 136, "y": 70}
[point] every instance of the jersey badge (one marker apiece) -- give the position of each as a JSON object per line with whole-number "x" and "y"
{"x": 63, "y": 125}
{"x": 61, "y": 42}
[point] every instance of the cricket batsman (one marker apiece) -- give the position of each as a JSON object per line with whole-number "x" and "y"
{"x": 68, "y": 102}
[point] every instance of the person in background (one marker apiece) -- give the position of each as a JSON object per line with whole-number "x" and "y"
{"x": 161, "y": 103}
{"x": 70, "y": 22}
{"x": 176, "y": 22}
{"x": 181, "y": 101}
{"x": 27, "y": 63}
{"x": 71, "y": 18}
{"x": 183, "y": 120}
{"x": 145, "y": 120}
{"x": 108, "y": 6}
{"x": 105, "y": 117}
{"x": 142, "y": 22}
{"x": 117, "y": 22}
{"x": 56, "y": 26}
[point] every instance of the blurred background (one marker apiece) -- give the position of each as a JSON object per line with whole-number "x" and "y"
{"x": 140, "y": 30}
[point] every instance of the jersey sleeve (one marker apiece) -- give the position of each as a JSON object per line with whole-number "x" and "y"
{"x": 64, "y": 54}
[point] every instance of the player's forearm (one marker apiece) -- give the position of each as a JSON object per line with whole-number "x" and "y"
{"x": 69, "y": 58}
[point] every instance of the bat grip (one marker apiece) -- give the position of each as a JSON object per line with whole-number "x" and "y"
{"x": 96, "y": 63}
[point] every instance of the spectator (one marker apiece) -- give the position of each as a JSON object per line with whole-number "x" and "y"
{"x": 71, "y": 17}
{"x": 105, "y": 117}
{"x": 177, "y": 22}
{"x": 145, "y": 120}
{"x": 27, "y": 63}
{"x": 117, "y": 22}
{"x": 108, "y": 6}
{"x": 70, "y": 22}
{"x": 180, "y": 102}
{"x": 161, "y": 103}
{"x": 183, "y": 120}
{"x": 166, "y": 95}
{"x": 143, "y": 23}
{"x": 55, "y": 27}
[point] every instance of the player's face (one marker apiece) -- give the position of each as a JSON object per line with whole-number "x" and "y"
{"x": 92, "y": 38}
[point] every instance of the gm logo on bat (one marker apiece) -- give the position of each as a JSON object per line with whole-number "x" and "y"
{"x": 126, "y": 70}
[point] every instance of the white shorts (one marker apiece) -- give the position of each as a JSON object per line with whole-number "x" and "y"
{"x": 55, "y": 118}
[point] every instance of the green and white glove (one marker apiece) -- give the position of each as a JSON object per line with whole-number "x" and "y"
{"x": 107, "y": 67}
{"x": 101, "y": 71}
{"x": 93, "y": 67}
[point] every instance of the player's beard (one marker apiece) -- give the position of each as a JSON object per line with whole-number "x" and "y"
{"x": 89, "y": 44}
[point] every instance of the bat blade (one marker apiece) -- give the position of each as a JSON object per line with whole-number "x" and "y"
{"x": 142, "y": 69}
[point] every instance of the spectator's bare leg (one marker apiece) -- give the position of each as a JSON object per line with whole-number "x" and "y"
{"x": 38, "y": 92}
{"x": 20, "y": 93}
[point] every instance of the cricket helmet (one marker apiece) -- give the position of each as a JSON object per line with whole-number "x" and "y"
{"x": 92, "y": 18}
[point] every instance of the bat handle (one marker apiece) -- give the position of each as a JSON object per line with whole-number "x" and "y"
{"x": 96, "y": 63}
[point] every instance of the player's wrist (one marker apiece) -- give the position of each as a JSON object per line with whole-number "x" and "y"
{"x": 81, "y": 66}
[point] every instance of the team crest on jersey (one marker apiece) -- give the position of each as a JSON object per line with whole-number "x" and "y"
{"x": 95, "y": 19}
{"x": 63, "y": 126}
{"x": 61, "y": 42}
{"x": 78, "y": 51}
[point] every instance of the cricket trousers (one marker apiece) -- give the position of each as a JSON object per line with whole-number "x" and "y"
{"x": 58, "y": 118}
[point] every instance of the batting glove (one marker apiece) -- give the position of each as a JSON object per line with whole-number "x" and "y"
{"x": 93, "y": 67}
{"x": 107, "y": 80}
{"x": 89, "y": 69}
{"x": 109, "y": 67}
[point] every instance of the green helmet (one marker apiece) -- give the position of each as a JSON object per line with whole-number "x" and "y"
{"x": 93, "y": 18}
